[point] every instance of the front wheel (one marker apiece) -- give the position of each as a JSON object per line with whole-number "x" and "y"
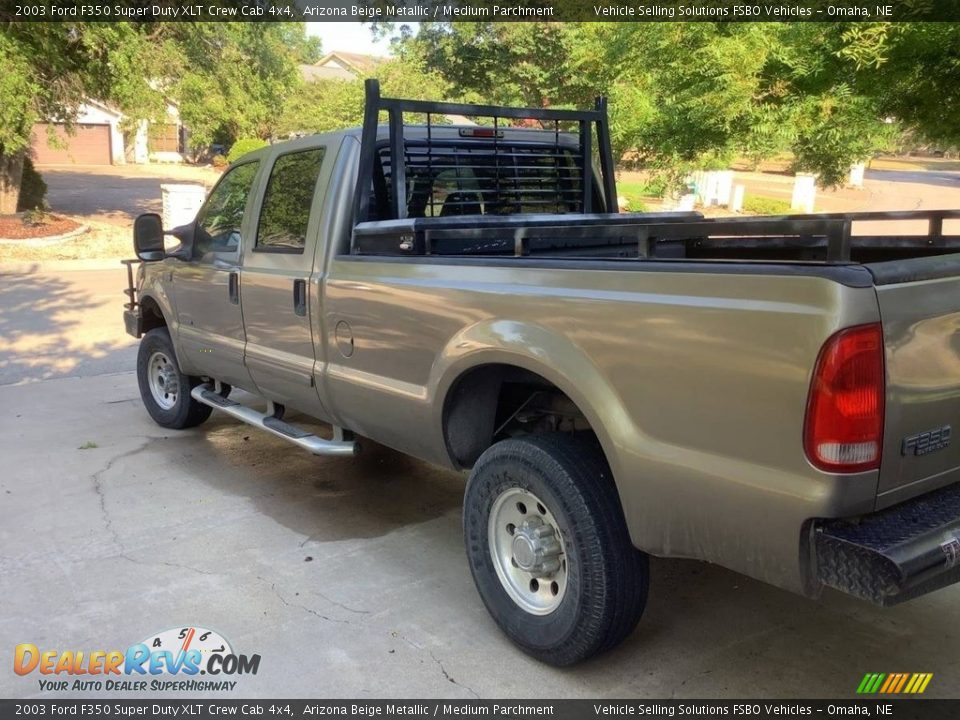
{"x": 549, "y": 549}
{"x": 164, "y": 389}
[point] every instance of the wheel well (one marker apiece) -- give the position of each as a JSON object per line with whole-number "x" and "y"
{"x": 151, "y": 315}
{"x": 492, "y": 402}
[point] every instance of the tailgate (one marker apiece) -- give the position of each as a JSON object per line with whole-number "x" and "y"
{"x": 921, "y": 327}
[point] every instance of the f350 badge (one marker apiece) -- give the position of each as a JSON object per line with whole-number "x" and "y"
{"x": 926, "y": 442}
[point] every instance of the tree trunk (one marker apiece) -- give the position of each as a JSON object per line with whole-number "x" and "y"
{"x": 11, "y": 172}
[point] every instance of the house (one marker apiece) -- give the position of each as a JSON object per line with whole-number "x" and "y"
{"x": 100, "y": 137}
{"x": 339, "y": 65}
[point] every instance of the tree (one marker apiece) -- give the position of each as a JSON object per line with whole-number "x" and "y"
{"x": 48, "y": 70}
{"x": 325, "y": 105}
{"x": 699, "y": 94}
{"x": 230, "y": 79}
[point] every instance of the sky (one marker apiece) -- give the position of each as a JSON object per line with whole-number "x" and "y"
{"x": 349, "y": 37}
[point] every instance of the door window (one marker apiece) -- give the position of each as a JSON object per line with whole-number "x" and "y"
{"x": 219, "y": 221}
{"x": 286, "y": 203}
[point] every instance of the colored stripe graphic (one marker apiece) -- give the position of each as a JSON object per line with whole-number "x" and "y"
{"x": 894, "y": 683}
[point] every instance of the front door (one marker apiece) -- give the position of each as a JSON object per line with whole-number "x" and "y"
{"x": 276, "y": 282}
{"x": 208, "y": 286}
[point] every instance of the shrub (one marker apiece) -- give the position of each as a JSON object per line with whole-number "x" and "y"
{"x": 244, "y": 145}
{"x": 33, "y": 190}
{"x": 219, "y": 161}
{"x": 766, "y": 206}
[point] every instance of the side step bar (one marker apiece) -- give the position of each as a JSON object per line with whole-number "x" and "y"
{"x": 298, "y": 436}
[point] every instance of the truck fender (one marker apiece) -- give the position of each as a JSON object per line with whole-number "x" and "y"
{"x": 532, "y": 347}
{"x": 152, "y": 291}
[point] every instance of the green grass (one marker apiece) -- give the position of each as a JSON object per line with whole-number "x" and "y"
{"x": 88, "y": 445}
{"x": 636, "y": 194}
{"x": 766, "y": 206}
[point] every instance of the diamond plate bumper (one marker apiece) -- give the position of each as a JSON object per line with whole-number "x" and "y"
{"x": 896, "y": 554}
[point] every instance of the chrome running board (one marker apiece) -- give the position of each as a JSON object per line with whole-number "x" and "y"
{"x": 275, "y": 425}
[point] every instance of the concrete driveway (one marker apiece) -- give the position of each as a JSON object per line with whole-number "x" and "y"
{"x": 348, "y": 577}
{"x": 115, "y": 194}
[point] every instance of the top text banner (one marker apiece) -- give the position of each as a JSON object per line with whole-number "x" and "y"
{"x": 484, "y": 10}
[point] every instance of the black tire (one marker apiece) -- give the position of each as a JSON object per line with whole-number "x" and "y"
{"x": 607, "y": 578}
{"x": 185, "y": 412}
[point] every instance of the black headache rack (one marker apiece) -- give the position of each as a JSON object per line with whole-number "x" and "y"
{"x": 896, "y": 554}
{"x": 517, "y": 165}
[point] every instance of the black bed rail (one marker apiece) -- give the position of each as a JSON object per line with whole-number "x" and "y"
{"x": 585, "y": 120}
{"x": 826, "y": 237}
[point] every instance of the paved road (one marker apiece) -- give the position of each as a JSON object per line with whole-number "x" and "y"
{"x": 348, "y": 577}
{"x": 882, "y": 190}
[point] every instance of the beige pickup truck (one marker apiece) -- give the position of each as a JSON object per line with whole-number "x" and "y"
{"x": 774, "y": 395}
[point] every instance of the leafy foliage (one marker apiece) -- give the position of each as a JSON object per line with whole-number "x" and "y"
{"x": 766, "y": 206}
{"x": 685, "y": 95}
{"x": 243, "y": 146}
{"x": 326, "y": 105}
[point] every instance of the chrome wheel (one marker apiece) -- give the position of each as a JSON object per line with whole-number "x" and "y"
{"x": 164, "y": 380}
{"x": 526, "y": 546}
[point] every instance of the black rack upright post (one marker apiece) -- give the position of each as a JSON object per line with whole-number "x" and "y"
{"x": 586, "y": 178}
{"x": 606, "y": 155}
{"x": 398, "y": 165}
{"x": 368, "y": 150}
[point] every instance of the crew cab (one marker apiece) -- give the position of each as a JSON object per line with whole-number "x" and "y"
{"x": 775, "y": 395}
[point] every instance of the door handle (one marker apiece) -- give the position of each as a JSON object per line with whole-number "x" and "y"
{"x": 300, "y": 297}
{"x": 234, "y": 287}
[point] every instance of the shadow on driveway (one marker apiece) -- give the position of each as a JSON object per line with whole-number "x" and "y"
{"x": 62, "y": 325}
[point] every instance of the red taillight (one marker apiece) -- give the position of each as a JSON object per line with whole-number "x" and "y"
{"x": 843, "y": 432}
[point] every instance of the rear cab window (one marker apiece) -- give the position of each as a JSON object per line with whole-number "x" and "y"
{"x": 285, "y": 210}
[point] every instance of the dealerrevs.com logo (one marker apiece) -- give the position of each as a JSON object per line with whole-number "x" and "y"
{"x": 171, "y": 660}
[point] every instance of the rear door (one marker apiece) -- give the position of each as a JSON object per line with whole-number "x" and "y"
{"x": 921, "y": 327}
{"x": 276, "y": 279}
{"x": 211, "y": 335}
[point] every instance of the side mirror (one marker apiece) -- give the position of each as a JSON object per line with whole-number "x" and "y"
{"x": 148, "y": 237}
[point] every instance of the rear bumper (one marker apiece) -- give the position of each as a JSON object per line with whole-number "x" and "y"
{"x": 896, "y": 554}
{"x": 133, "y": 323}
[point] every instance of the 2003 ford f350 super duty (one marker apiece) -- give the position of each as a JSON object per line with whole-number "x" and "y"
{"x": 774, "y": 395}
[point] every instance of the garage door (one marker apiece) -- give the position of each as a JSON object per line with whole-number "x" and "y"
{"x": 89, "y": 146}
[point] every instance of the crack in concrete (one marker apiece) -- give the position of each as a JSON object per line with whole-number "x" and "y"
{"x": 273, "y": 588}
{"x": 98, "y": 488}
{"x": 341, "y": 605}
{"x": 450, "y": 678}
{"x": 97, "y": 478}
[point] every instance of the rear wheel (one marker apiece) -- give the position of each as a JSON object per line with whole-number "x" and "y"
{"x": 164, "y": 389}
{"x": 549, "y": 549}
